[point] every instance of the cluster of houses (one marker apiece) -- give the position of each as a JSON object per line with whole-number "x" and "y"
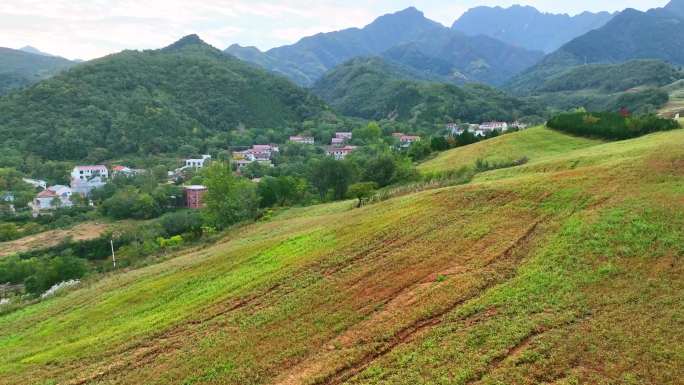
{"x": 259, "y": 153}
{"x": 339, "y": 146}
{"x": 483, "y": 129}
{"x": 86, "y": 179}
{"x": 405, "y": 141}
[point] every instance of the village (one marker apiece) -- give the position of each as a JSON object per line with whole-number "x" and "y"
{"x": 84, "y": 179}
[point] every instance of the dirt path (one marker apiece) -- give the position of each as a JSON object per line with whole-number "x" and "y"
{"x": 50, "y": 238}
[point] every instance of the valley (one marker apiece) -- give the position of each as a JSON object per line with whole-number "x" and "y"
{"x": 368, "y": 198}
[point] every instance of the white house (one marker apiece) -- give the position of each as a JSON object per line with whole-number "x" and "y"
{"x": 85, "y": 173}
{"x": 85, "y": 179}
{"x": 408, "y": 140}
{"x": 344, "y": 135}
{"x": 339, "y": 153}
{"x": 52, "y": 198}
{"x": 197, "y": 163}
{"x": 258, "y": 152}
{"x": 302, "y": 139}
{"x": 338, "y": 141}
{"x": 492, "y": 126}
{"x": 125, "y": 171}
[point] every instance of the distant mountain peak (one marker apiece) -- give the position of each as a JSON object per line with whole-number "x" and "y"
{"x": 187, "y": 41}
{"x": 35, "y": 51}
{"x": 676, "y": 6}
{"x": 526, "y": 26}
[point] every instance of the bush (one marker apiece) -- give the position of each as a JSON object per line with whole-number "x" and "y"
{"x": 186, "y": 221}
{"x": 8, "y": 232}
{"x": 362, "y": 191}
{"x": 130, "y": 203}
{"x": 39, "y": 274}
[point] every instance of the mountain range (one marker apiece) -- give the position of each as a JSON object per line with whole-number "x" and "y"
{"x": 654, "y": 34}
{"x": 20, "y": 68}
{"x": 406, "y": 37}
{"x": 526, "y": 27}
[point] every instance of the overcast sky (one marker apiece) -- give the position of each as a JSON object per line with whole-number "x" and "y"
{"x": 91, "y": 28}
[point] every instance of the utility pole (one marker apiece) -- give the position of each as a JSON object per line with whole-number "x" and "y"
{"x": 111, "y": 242}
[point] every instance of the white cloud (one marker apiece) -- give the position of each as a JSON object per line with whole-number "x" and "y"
{"x": 92, "y": 28}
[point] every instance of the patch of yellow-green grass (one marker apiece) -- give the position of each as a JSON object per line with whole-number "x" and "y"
{"x": 616, "y": 154}
{"x": 555, "y": 273}
{"x": 534, "y": 143}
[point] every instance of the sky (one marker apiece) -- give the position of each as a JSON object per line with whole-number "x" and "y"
{"x": 86, "y": 29}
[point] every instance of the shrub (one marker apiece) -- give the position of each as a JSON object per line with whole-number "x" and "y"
{"x": 186, "y": 221}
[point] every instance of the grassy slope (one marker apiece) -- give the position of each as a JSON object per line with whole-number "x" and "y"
{"x": 535, "y": 143}
{"x": 562, "y": 271}
{"x": 676, "y": 103}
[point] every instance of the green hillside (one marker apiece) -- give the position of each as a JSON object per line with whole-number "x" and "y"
{"x": 373, "y": 88}
{"x": 566, "y": 270}
{"x": 149, "y": 102}
{"x": 535, "y": 144}
{"x": 637, "y": 85}
{"x": 19, "y": 69}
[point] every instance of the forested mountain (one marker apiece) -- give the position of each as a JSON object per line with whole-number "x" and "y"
{"x": 655, "y": 34}
{"x": 20, "y": 69}
{"x": 406, "y": 37}
{"x": 526, "y": 27}
{"x": 606, "y": 77}
{"x": 372, "y": 88}
{"x": 639, "y": 85}
{"x": 148, "y": 103}
{"x": 453, "y": 57}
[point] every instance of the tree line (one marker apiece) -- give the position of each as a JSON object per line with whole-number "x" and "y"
{"x": 610, "y": 125}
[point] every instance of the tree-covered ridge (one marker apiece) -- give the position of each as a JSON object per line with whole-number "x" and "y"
{"x": 374, "y": 89}
{"x": 148, "y": 103}
{"x": 19, "y": 68}
{"x": 638, "y": 85}
{"x": 613, "y": 77}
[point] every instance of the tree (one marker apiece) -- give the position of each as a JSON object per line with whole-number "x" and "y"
{"x": 368, "y": 134}
{"x": 362, "y": 191}
{"x": 186, "y": 221}
{"x": 332, "y": 174}
{"x": 439, "y": 143}
{"x": 229, "y": 200}
{"x": 160, "y": 173}
{"x": 255, "y": 170}
{"x": 420, "y": 150}
{"x": 130, "y": 203}
{"x": 8, "y": 232}
{"x": 281, "y": 191}
{"x": 381, "y": 170}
